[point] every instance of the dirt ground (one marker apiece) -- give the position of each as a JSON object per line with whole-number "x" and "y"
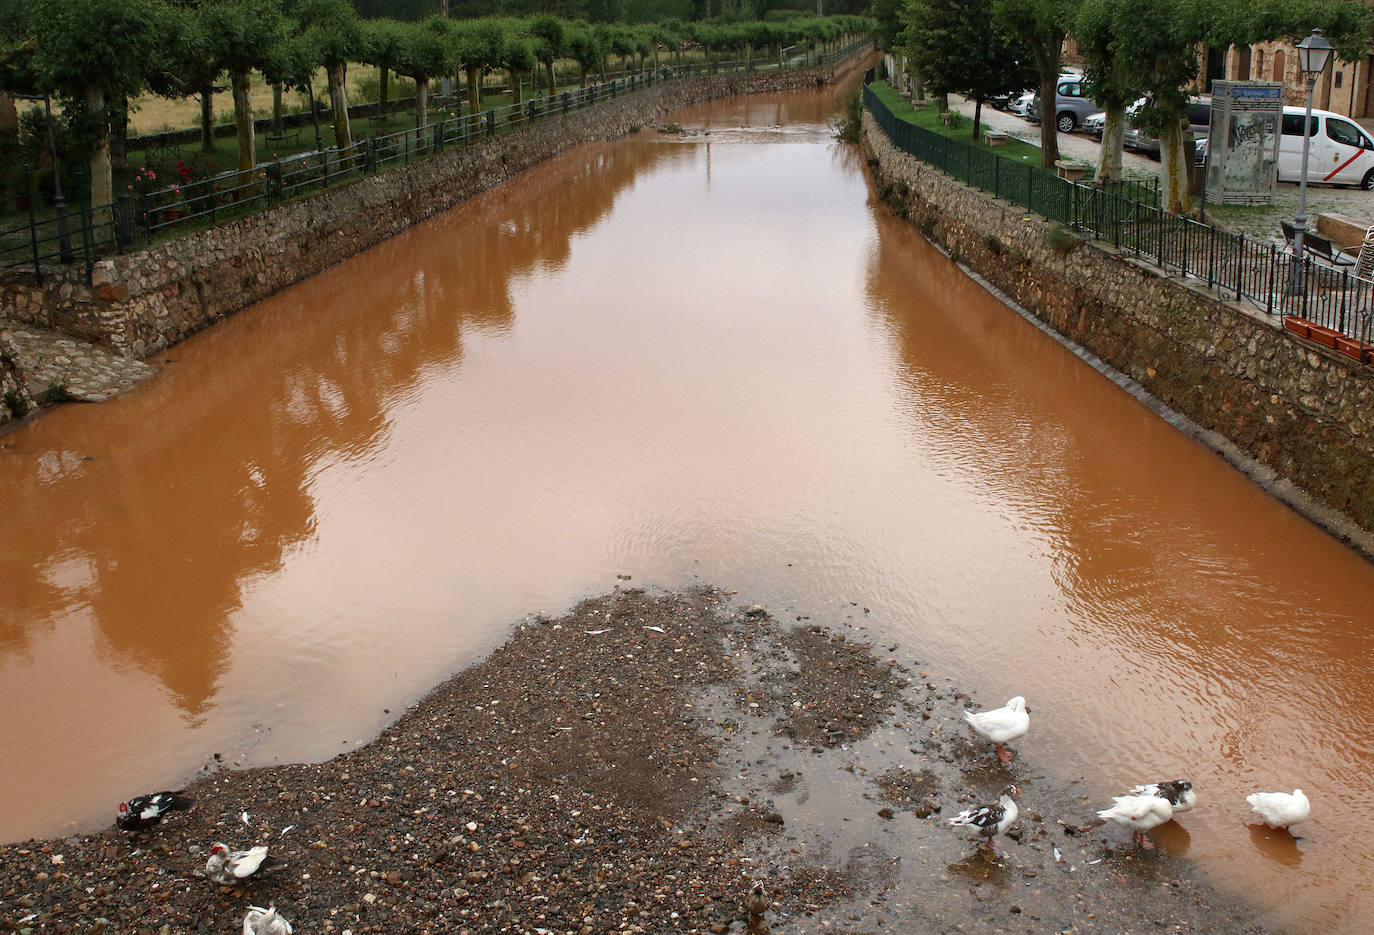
{"x": 635, "y": 766}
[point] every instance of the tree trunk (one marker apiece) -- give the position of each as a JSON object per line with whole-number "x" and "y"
{"x": 276, "y": 109}
{"x": 243, "y": 121}
{"x": 1177, "y": 198}
{"x": 207, "y": 118}
{"x": 977, "y": 116}
{"x": 421, "y": 105}
{"x": 119, "y": 134}
{"x": 343, "y": 134}
{"x": 1109, "y": 155}
{"x": 515, "y": 87}
{"x": 942, "y": 102}
{"x": 102, "y": 182}
{"x": 549, "y": 67}
{"x": 474, "y": 89}
{"x": 1047, "y": 63}
{"x": 584, "y": 74}
{"x": 382, "y": 93}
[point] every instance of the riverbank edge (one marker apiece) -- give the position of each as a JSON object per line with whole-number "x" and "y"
{"x": 636, "y": 764}
{"x": 1292, "y": 418}
{"x": 142, "y": 302}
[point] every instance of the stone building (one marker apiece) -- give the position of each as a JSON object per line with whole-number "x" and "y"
{"x": 1345, "y": 87}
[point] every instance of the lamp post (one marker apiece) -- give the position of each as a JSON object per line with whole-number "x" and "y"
{"x": 1313, "y": 54}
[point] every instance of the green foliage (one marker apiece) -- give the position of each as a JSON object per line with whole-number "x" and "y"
{"x": 849, "y": 124}
{"x": 333, "y": 30}
{"x": 241, "y": 35}
{"x": 57, "y": 393}
{"x": 1062, "y": 240}
{"x": 16, "y": 404}
{"x": 104, "y": 44}
{"x": 953, "y": 47}
{"x": 382, "y": 41}
{"x": 424, "y": 51}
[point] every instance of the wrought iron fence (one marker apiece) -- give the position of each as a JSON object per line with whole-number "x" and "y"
{"x": 1130, "y": 218}
{"x": 77, "y": 232}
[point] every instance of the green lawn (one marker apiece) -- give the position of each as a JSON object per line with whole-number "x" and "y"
{"x": 960, "y": 129}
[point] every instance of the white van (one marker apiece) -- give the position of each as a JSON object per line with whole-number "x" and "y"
{"x": 1342, "y": 152}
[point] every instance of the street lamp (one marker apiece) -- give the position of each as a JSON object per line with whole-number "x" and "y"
{"x": 1313, "y": 54}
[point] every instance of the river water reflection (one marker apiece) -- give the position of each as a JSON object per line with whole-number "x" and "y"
{"x": 701, "y": 358}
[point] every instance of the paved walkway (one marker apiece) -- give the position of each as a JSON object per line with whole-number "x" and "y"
{"x": 1260, "y": 222}
{"x": 49, "y": 360}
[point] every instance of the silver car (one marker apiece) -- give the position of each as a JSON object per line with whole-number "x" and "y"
{"x": 1199, "y": 113}
{"x": 1071, "y": 104}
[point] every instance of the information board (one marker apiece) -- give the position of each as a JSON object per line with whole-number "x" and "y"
{"x": 1243, "y": 145}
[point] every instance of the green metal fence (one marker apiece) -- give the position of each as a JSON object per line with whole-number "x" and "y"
{"x": 77, "y": 233}
{"x": 1128, "y": 218}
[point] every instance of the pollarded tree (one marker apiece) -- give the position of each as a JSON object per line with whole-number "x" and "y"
{"x": 93, "y": 52}
{"x": 548, "y": 33}
{"x": 291, "y": 65}
{"x": 584, "y": 47}
{"x": 519, "y": 61}
{"x": 1042, "y": 25}
{"x": 621, "y": 42}
{"x": 1107, "y": 75}
{"x": 481, "y": 44}
{"x": 334, "y": 30}
{"x": 243, "y": 35}
{"x": 955, "y": 47}
{"x": 424, "y": 55}
{"x": 187, "y": 65}
{"x": 382, "y": 41}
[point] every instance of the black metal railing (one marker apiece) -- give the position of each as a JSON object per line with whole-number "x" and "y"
{"x": 1130, "y": 218}
{"x": 79, "y": 233}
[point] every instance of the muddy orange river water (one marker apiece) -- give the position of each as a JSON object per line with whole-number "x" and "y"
{"x": 700, "y": 358}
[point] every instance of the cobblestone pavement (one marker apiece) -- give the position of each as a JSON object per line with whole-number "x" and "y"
{"x": 88, "y": 373}
{"x": 1260, "y": 222}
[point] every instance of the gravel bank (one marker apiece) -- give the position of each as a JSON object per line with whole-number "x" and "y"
{"x": 635, "y": 766}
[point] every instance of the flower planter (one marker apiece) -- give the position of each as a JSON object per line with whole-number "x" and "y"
{"x": 168, "y": 215}
{"x": 1296, "y": 325}
{"x": 1351, "y": 347}
{"x": 1324, "y": 336}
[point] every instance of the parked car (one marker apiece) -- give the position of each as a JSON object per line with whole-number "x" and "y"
{"x": 1002, "y": 101}
{"x": 1021, "y": 106}
{"x": 1340, "y": 151}
{"x": 1096, "y": 124}
{"x": 1199, "y": 112}
{"x": 1071, "y": 104}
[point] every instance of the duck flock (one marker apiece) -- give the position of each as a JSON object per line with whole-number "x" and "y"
{"x": 224, "y": 866}
{"x": 1146, "y": 806}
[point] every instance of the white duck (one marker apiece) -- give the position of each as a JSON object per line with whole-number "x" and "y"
{"x": 1140, "y": 813}
{"x": 230, "y": 868}
{"x": 265, "y": 922}
{"x": 991, "y": 820}
{"x": 1279, "y": 809}
{"x": 1001, "y": 725}
{"x": 1179, "y": 793}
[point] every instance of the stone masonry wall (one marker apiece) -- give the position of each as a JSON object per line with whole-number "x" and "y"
{"x": 1302, "y": 411}
{"x": 141, "y": 302}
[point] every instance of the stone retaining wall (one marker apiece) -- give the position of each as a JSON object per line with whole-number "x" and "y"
{"x": 141, "y": 302}
{"x": 1299, "y": 410}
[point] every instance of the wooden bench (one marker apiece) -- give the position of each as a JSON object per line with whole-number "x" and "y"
{"x": 1072, "y": 171}
{"x": 995, "y": 138}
